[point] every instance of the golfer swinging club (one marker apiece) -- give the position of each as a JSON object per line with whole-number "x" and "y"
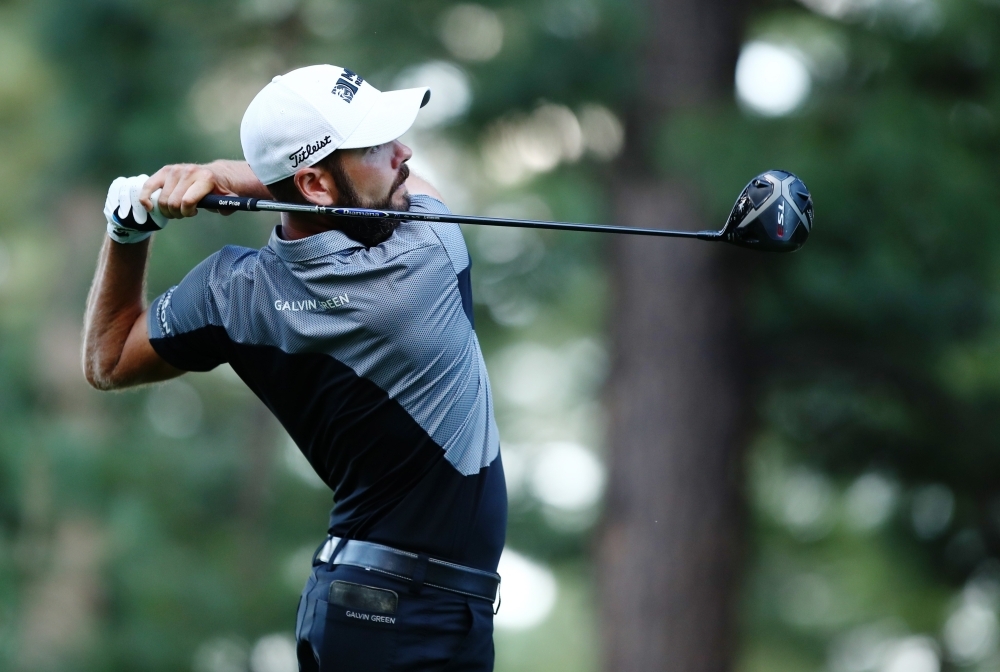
{"x": 358, "y": 335}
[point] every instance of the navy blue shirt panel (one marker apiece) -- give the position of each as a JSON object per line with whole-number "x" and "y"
{"x": 369, "y": 360}
{"x": 465, "y": 288}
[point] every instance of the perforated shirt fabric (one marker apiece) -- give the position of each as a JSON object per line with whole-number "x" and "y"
{"x": 370, "y": 360}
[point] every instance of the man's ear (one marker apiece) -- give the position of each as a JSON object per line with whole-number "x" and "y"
{"x": 317, "y": 186}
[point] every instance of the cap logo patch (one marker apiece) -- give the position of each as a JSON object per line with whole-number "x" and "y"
{"x": 347, "y": 85}
{"x": 302, "y": 153}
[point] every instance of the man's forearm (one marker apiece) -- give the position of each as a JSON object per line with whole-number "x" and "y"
{"x": 238, "y": 178}
{"x": 115, "y": 302}
{"x": 418, "y": 185}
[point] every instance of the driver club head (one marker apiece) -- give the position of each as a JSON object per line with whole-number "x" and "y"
{"x": 774, "y": 212}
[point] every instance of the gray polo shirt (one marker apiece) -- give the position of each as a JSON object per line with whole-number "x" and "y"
{"x": 370, "y": 360}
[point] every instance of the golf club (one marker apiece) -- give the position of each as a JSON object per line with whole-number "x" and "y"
{"x": 774, "y": 212}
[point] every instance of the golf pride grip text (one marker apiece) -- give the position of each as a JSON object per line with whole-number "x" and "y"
{"x": 216, "y": 202}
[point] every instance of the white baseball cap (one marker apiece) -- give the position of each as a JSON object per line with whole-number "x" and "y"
{"x": 303, "y": 116}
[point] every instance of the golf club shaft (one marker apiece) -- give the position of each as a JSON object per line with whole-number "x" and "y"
{"x": 215, "y": 202}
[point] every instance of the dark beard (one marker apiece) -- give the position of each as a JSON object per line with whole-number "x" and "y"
{"x": 369, "y": 232}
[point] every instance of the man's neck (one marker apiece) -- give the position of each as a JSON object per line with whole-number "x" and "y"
{"x": 295, "y": 227}
{"x": 367, "y": 232}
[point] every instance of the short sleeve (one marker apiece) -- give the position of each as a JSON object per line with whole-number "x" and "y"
{"x": 183, "y": 322}
{"x": 450, "y": 235}
{"x": 453, "y": 242}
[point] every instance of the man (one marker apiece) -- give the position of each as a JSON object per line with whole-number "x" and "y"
{"x": 358, "y": 336}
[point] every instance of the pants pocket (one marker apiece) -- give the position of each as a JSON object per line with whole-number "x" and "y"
{"x": 360, "y": 629}
{"x": 476, "y": 652}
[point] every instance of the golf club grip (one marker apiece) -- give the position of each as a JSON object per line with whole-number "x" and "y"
{"x": 217, "y": 202}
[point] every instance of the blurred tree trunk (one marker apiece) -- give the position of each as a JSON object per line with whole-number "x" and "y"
{"x": 256, "y": 479}
{"x": 670, "y": 550}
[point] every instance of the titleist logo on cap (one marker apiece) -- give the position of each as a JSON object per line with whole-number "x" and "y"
{"x": 303, "y": 153}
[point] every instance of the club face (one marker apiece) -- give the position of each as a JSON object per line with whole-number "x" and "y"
{"x": 774, "y": 213}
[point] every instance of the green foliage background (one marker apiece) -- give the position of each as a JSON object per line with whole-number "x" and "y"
{"x": 876, "y": 350}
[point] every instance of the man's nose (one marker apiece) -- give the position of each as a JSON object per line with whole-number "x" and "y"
{"x": 401, "y": 154}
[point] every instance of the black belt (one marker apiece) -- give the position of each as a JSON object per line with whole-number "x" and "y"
{"x": 418, "y": 569}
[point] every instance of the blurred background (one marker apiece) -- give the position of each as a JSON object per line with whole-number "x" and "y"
{"x": 716, "y": 459}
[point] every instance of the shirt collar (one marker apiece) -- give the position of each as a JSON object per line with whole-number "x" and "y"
{"x": 311, "y": 247}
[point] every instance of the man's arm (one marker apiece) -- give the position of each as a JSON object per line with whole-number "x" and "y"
{"x": 116, "y": 348}
{"x": 185, "y": 184}
{"x": 417, "y": 185}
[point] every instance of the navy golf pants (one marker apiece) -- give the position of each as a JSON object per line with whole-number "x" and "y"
{"x": 433, "y": 630}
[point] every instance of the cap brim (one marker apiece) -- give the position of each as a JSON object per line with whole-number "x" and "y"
{"x": 391, "y": 116}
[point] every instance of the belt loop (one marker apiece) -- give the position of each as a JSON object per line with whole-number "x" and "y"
{"x": 499, "y": 595}
{"x": 319, "y": 551}
{"x": 337, "y": 550}
{"x": 419, "y": 573}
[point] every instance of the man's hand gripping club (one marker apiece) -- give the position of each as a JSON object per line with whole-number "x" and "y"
{"x": 128, "y": 219}
{"x": 181, "y": 186}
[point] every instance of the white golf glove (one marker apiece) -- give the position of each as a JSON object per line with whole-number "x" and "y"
{"x": 128, "y": 221}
